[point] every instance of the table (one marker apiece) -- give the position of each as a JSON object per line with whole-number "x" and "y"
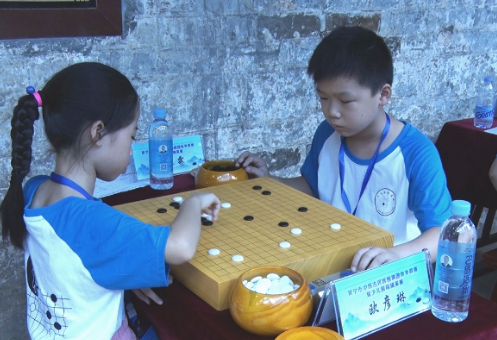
{"x": 467, "y": 154}
{"x": 183, "y": 182}
{"x": 490, "y": 259}
{"x": 183, "y": 315}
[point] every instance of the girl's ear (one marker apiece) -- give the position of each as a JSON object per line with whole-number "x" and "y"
{"x": 385, "y": 94}
{"x": 97, "y": 131}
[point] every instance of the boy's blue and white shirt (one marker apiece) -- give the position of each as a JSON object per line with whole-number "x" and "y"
{"x": 406, "y": 193}
{"x": 80, "y": 256}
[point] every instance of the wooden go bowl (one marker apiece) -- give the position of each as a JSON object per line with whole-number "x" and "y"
{"x": 270, "y": 314}
{"x": 310, "y": 333}
{"x": 217, "y": 173}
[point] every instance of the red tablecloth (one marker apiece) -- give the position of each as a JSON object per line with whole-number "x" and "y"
{"x": 184, "y": 316}
{"x": 467, "y": 154}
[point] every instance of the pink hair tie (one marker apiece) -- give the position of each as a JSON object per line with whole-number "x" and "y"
{"x": 31, "y": 90}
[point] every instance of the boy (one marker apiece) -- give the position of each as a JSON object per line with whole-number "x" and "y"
{"x": 363, "y": 161}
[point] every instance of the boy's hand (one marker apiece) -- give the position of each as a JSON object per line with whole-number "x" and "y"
{"x": 253, "y": 164}
{"x": 209, "y": 204}
{"x": 372, "y": 257}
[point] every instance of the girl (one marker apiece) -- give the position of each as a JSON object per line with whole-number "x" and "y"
{"x": 81, "y": 254}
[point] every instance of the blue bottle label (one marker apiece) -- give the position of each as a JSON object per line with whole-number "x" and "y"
{"x": 161, "y": 157}
{"x": 484, "y": 112}
{"x": 454, "y": 270}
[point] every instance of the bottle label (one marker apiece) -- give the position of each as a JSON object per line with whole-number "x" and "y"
{"x": 484, "y": 112}
{"x": 161, "y": 157}
{"x": 454, "y": 270}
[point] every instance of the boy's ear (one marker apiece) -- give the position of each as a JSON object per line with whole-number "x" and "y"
{"x": 385, "y": 94}
{"x": 97, "y": 131}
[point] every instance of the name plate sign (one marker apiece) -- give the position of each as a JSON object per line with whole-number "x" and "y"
{"x": 188, "y": 154}
{"x": 368, "y": 301}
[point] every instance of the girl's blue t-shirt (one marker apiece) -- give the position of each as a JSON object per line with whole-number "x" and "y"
{"x": 80, "y": 256}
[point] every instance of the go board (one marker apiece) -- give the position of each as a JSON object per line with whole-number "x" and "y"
{"x": 316, "y": 252}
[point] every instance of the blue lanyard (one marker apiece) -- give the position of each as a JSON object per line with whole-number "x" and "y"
{"x": 67, "y": 182}
{"x": 372, "y": 162}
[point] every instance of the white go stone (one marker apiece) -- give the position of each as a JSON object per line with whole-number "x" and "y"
{"x": 285, "y": 280}
{"x": 226, "y": 205}
{"x": 285, "y": 244}
{"x": 262, "y": 285}
{"x": 273, "y": 290}
{"x": 296, "y": 231}
{"x": 248, "y": 284}
{"x": 259, "y": 289}
{"x": 286, "y": 289}
{"x": 254, "y": 279}
{"x": 273, "y": 276}
{"x": 237, "y": 258}
{"x": 271, "y": 284}
{"x": 207, "y": 216}
{"x": 214, "y": 252}
{"x": 335, "y": 226}
{"x": 178, "y": 199}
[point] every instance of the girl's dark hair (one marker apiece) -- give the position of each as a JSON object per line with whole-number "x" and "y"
{"x": 353, "y": 52}
{"x": 73, "y": 99}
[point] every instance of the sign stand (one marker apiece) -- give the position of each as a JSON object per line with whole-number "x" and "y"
{"x": 368, "y": 301}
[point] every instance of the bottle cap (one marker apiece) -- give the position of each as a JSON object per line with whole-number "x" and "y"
{"x": 160, "y": 113}
{"x": 489, "y": 79}
{"x": 460, "y": 208}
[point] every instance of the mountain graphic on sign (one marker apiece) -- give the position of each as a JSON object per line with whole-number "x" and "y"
{"x": 195, "y": 159}
{"x": 143, "y": 171}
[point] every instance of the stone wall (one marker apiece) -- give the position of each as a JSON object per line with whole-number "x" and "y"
{"x": 234, "y": 71}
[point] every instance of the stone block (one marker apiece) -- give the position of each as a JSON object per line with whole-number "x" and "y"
{"x": 370, "y": 21}
{"x": 286, "y": 27}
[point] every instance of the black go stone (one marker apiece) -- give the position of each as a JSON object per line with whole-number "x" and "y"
{"x": 248, "y": 218}
{"x": 162, "y": 210}
{"x": 283, "y": 224}
{"x": 257, "y": 187}
{"x": 302, "y": 209}
{"x": 266, "y": 192}
{"x": 207, "y": 222}
{"x": 175, "y": 205}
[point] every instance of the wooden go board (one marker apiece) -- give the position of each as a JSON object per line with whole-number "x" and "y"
{"x": 318, "y": 251}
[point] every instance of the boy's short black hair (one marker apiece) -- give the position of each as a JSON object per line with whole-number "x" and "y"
{"x": 353, "y": 52}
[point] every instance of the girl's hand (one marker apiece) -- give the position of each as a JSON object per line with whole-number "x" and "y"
{"x": 209, "y": 204}
{"x": 147, "y": 294}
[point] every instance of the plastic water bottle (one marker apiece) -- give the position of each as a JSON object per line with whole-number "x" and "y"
{"x": 484, "y": 108}
{"x": 454, "y": 265}
{"x": 160, "y": 150}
